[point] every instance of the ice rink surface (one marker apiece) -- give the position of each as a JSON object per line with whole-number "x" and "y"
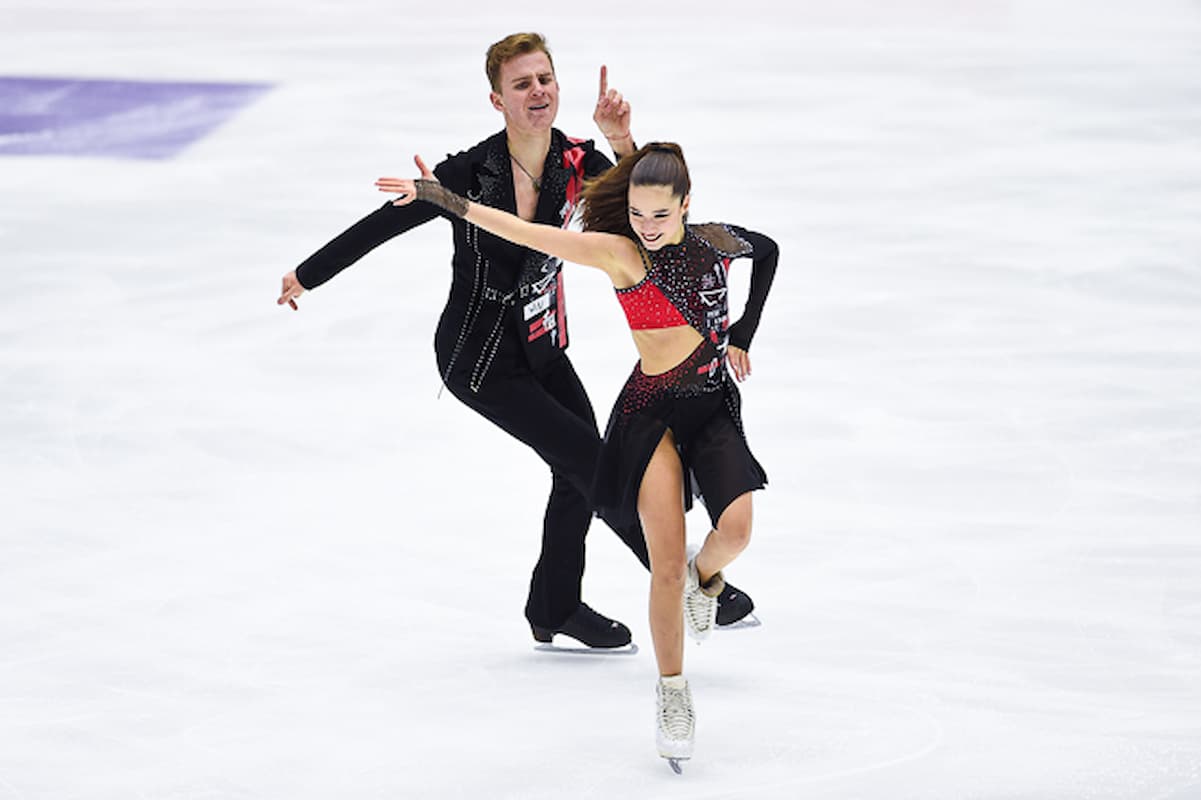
{"x": 248, "y": 553}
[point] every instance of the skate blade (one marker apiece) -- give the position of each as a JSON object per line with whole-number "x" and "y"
{"x": 582, "y": 650}
{"x": 675, "y": 765}
{"x": 749, "y": 621}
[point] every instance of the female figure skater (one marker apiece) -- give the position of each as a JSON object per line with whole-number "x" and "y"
{"x": 676, "y": 423}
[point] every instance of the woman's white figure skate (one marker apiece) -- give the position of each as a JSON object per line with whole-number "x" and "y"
{"x": 675, "y": 721}
{"x": 700, "y": 600}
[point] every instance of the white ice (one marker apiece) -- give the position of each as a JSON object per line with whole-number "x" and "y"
{"x": 248, "y": 553}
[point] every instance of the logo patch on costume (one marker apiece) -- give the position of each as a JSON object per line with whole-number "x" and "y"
{"x": 538, "y": 305}
{"x": 712, "y": 297}
{"x": 543, "y": 325}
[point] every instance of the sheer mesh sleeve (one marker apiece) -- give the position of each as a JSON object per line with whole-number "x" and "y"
{"x": 439, "y": 195}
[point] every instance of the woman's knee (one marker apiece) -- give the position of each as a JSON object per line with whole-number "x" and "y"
{"x": 665, "y": 544}
{"x": 734, "y": 524}
{"x": 667, "y": 574}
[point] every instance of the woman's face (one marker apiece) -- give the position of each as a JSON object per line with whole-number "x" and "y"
{"x": 529, "y": 93}
{"x": 657, "y": 215}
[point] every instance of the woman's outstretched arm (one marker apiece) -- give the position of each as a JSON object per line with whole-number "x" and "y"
{"x": 616, "y": 255}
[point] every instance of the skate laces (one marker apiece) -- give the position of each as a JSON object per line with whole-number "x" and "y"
{"x": 676, "y": 717}
{"x": 700, "y": 602}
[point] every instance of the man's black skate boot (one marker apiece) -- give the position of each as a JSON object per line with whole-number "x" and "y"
{"x": 588, "y": 627}
{"x": 732, "y": 605}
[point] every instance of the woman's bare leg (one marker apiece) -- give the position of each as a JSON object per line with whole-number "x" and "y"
{"x": 661, "y": 507}
{"x": 727, "y": 540}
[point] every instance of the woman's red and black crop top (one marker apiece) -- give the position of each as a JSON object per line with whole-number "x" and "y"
{"x": 647, "y": 307}
{"x": 685, "y": 283}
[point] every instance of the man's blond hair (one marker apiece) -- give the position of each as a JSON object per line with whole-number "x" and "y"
{"x": 513, "y": 45}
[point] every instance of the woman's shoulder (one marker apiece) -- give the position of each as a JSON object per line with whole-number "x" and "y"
{"x": 722, "y": 238}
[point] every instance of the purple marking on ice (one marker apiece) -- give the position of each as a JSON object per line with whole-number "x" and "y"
{"x": 126, "y": 119}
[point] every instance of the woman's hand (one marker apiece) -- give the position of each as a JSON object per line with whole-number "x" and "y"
{"x": 406, "y": 188}
{"x": 290, "y": 291}
{"x": 740, "y": 363}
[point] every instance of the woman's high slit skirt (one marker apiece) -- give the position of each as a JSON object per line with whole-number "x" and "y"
{"x": 699, "y": 402}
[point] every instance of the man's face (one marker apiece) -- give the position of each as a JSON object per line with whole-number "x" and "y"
{"x": 529, "y": 93}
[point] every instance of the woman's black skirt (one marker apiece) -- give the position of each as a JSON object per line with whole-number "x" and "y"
{"x": 699, "y": 403}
